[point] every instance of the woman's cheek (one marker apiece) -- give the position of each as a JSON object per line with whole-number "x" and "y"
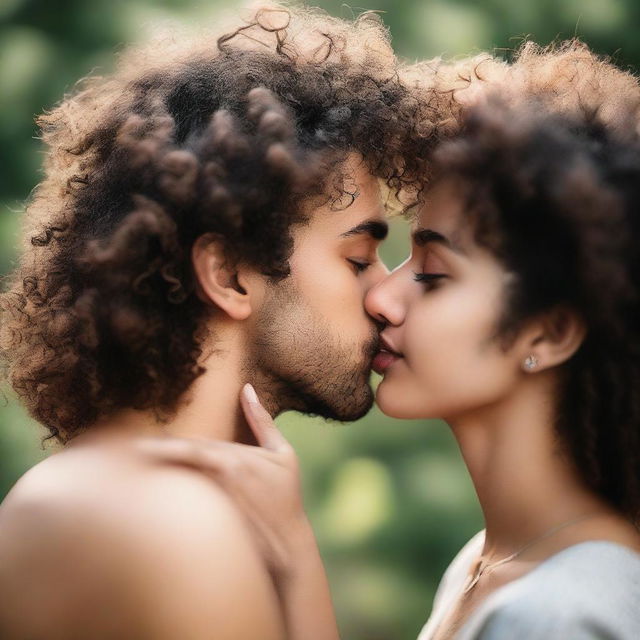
{"x": 421, "y": 333}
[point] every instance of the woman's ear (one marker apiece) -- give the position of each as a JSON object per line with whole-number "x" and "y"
{"x": 551, "y": 339}
{"x": 217, "y": 277}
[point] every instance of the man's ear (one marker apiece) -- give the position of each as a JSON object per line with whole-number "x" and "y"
{"x": 218, "y": 281}
{"x": 551, "y": 339}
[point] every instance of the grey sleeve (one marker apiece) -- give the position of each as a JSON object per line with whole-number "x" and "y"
{"x": 518, "y": 623}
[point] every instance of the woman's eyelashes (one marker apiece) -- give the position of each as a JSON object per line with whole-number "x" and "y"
{"x": 430, "y": 280}
{"x": 434, "y": 271}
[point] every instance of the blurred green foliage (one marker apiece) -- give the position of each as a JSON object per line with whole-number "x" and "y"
{"x": 390, "y": 500}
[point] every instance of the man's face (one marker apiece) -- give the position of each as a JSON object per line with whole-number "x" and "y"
{"x": 313, "y": 342}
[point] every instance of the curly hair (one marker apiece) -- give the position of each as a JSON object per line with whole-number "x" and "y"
{"x": 565, "y": 78}
{"x": 226, "y": 134}
{"x": 557, "y": 200}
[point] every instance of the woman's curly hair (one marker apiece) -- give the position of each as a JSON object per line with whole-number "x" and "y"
{"x": 565, "y": 78}
{"x": 557, "y": 200}
{"x": 228, "y": 135}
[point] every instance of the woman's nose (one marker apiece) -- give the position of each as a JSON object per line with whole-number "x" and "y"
{"x": 383, "y": 301}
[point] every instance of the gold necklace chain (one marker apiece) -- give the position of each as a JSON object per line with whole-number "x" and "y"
{"x": 481, "y": 567}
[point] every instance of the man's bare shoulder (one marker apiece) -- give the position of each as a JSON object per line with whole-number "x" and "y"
{"x": 115, "y": 486}
{"x": 163, "y": 544}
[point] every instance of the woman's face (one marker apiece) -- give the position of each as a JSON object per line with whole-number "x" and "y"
{"x": 442, "y": 308}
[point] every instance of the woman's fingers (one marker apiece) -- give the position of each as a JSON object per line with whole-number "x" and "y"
{"x": 206, "y": 456}
{"x": 211, "y": 456}
{"x": 261, "y": 423}
{"x": 222, "y": 458}
{"x": 263, "y": 481}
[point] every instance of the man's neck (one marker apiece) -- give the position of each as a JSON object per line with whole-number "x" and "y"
{"x": 209, "y": 409}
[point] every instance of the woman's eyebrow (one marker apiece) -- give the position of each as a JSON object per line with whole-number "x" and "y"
{"x": 377, "y": 229}
{"x": 422, "y": 236}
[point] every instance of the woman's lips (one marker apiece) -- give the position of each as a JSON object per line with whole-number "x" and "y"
{"x": 383, "y": 360}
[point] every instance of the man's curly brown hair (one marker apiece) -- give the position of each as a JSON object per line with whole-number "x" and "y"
{"x": 229, "y": 135}
{"x": 557, "y": 200}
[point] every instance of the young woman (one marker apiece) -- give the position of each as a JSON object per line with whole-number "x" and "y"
{"x": 516, "y": 318}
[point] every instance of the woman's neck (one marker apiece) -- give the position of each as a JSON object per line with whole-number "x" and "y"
{"x": 525, "y": 482}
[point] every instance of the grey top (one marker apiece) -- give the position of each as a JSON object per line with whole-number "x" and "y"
{"x": 588, "y": 591}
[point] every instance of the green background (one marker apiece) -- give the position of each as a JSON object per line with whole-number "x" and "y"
{"x": 390, "y": 500}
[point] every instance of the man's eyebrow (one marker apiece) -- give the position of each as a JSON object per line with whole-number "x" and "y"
{"x": 422, "y": 237}
{"x": 377, "y": 229}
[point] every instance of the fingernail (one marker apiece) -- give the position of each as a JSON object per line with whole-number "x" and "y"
{"x": 250, "y": 394}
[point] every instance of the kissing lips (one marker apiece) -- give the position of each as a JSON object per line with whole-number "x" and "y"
{"x": 385, "y": 357}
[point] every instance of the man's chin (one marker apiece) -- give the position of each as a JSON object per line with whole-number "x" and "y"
{"x": 362, "y": 402}
{"x": 360, "y": 413}
{"x": 345, "y": 397}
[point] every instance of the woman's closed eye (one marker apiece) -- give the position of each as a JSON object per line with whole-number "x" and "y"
{"x": 434, "y": 270}
{"x": 430, "y": 280}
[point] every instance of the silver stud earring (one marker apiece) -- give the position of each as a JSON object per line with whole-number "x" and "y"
{"x": 530, "y": 363}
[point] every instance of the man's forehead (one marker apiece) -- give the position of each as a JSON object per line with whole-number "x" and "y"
{"x": 363, "y": 216}
{"x": 357, "y": 201}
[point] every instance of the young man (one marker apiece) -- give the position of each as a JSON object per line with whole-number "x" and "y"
{"x": 210, "y": 215}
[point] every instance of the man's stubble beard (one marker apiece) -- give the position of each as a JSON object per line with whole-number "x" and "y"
{"x": 299, "y": 364}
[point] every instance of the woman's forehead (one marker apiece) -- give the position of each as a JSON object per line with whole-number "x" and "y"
{"x": 442, "y": 209}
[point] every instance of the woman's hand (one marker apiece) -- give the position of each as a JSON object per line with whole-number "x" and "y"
{"x": 263, "y": 481}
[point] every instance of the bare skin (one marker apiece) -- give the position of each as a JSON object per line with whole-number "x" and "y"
{"x": 107, "y": 543}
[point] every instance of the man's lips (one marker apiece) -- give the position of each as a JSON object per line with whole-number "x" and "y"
{"x": 385, "y": 357}
{"x": 383, "y": 360}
